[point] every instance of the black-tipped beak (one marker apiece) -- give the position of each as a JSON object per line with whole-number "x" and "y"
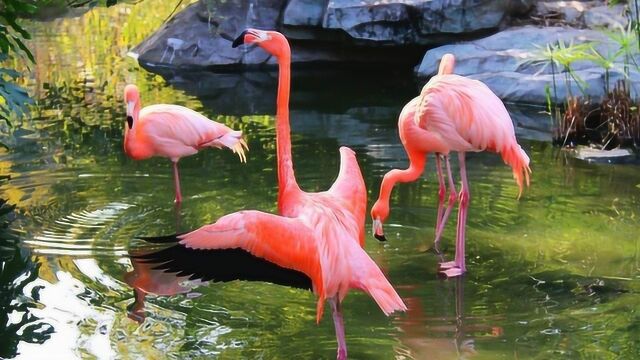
{"x": 380, "y": 237}
{"x": 239, "y": 40}
{"x": 130, "y": 121}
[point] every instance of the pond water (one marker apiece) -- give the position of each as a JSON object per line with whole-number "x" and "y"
{"x": 553, "y": 275}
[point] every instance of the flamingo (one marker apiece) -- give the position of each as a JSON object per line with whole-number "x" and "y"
{"x": 452, "y": 113}
{"x": 318, "y": 236}
{"x": 173, "y": 131}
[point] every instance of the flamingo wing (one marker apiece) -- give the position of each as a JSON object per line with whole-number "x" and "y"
{"x": 465, "y": 113}
{"x": 178, "y": 131}
{"x": 350, "y": 189}
{"x": 246, "y": 245}
{"x": 222, "y": 265}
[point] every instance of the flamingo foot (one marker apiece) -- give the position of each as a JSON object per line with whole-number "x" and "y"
{"x": 447, "y": 265}
{"x": 452, "y": 272}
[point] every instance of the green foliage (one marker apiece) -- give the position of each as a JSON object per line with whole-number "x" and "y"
{"x": 561, "y": 55}
{"x": 14, "y": 99}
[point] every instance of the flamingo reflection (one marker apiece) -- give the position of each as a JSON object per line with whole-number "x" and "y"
{"x": 452, "y": 340}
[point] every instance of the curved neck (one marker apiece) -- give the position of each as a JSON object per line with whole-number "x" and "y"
{"x": 286, "y": 177}
{"x": 417, "y": 162}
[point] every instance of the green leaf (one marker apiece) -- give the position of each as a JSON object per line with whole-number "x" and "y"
{"x": 10, "y": 72}
{"x": 25, "y": 49}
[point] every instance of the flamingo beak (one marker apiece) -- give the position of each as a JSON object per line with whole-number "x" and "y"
{"x": 378, "y": 233}
{"x": 239, "y": 40}
{"x": 130, "y": 106}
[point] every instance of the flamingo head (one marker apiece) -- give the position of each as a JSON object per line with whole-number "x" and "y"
{"x": 132, "y": 100}
{"x": 379, "y": 213}
{"x": 271, "y": 41}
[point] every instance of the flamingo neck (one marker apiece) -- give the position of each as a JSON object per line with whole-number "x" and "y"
{"x": 286, "y": 177}
{"x": 417, "y": 162}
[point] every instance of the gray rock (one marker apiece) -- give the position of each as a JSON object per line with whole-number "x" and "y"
{"x": 304, "y": 12}
{"x": 201, "y": 35}
{"x": 416, "y": 21}
{"x": 506, "y": 62}
{"x": 606, "y": 16}
{"x": 570, "y": 11}
{"x": 614, "y": 156}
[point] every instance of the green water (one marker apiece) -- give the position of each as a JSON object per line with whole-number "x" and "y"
{"x": 553, "y": 275}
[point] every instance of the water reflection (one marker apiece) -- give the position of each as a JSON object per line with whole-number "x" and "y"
{"x": 556, "y": 274}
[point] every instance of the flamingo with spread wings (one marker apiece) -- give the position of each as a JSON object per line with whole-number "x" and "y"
{"x": 318, "y": 236}
{"x": 452, "y": 113}
{"x": 173, "y": 131}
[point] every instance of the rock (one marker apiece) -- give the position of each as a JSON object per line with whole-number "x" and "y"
{"x": 569, "y": 11}
{"x": 416, "y": 21}
{"x": 506, "y": 62}
{"x": 581, "y": 14}
{"x": 320, "y": 31}
{"x": 616, "y": 156}
{"x": 201, "y": 35}
{"x": 304, "y": 12}
{"x": 606, "y": 16}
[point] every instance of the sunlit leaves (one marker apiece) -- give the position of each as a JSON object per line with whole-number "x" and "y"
{"x": 13, "y": 98}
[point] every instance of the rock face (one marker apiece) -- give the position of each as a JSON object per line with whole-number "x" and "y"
{"x": 398, "y": 32}
{"x": 412, "y": 21}
{"x": 581, "y": 14}
{"x": 201, "y": 34}
{"x": 322, "y": 30}
{"x": 513, "y": 65}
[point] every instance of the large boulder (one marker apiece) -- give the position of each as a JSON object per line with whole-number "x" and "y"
{"x": 201, "y": 34}
{"x": 512, "y": 63}
{"x": 321, "y": 31}
{"x": 416, "y": 21}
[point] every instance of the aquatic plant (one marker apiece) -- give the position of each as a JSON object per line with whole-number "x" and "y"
{"x": 621, "y": 115}
{"x": 615, "y": 121}
{"x": 561, "y": 55}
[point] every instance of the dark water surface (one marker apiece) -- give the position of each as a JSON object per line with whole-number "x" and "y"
{"x": 553, "y": 275}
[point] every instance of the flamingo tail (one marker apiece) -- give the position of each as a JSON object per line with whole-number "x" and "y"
{"x": 515, "y": 157}
{"x": 234, "y": 141}
{"x": 372, "y": 281}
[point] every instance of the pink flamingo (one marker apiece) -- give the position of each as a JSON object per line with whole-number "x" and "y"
{"x": 173, "y": 131}
{"x": 319, "y": 235}
{"x": 452, "y": 113}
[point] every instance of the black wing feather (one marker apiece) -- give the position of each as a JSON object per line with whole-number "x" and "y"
{"x": 220, "y": 265}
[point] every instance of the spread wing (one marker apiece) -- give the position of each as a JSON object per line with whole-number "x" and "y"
{"x": 247, "y": 245}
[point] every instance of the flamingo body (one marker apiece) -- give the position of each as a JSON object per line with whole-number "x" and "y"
{"x": 455, "y": 113}
{"x": 452, "y": 113}
{"x": 173, "y": 131}
{"x": 320, "y": 235}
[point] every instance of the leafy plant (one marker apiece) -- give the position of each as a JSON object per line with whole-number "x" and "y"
{"x": 561, "y": 55}
{"x": 13, "y": 98}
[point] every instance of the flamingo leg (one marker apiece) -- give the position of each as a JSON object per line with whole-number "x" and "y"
{"x": 136, "y": 309}
{"x": 441, "y": 193}
{"x": 459, "y": 267}
{"x": 176, "y": 179}
{"x": 339, "y": 325}
{"x": 453, "y": 196}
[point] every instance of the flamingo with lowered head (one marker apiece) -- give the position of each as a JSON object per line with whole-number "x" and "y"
{"x": 173, "y": 131}
{"x": 317, "y": 236}
{"x": 452, "y": 113}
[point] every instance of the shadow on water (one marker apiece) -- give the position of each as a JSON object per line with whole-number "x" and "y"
{"x": 552, "y": 275}
{"x": 17, "y": 295}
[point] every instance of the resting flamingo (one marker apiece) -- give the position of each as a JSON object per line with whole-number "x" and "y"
{"x": 173, "y": 131}
{"x": 317, "y": 235}
{"x": 452, "y": 113}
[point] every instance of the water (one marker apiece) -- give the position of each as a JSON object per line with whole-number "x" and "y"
{"x": 553, "y": 275}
